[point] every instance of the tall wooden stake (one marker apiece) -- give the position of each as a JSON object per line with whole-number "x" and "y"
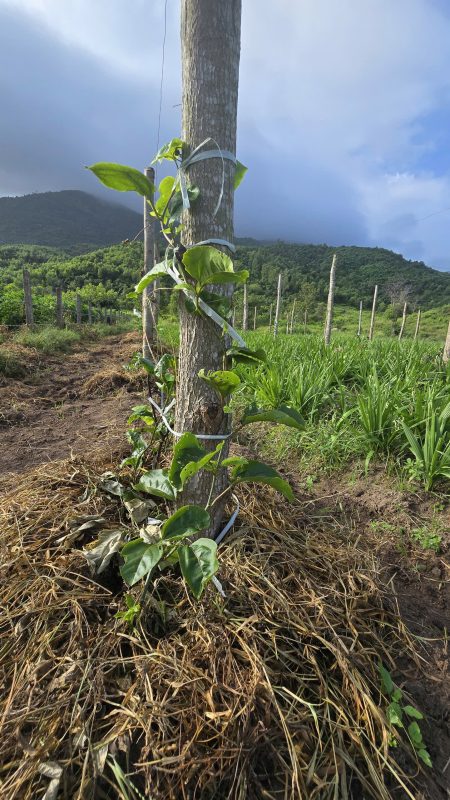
{"x": 416, "y": 332}
{"x": 148, "y": 316}
{"x": 78, "y": 307}
{"x": 291, "y": 326}
{"x": 446, "y": 353}
{"x": 270, "y": 316}
{"x": 59, "y": 308}
{"x": 28, "y": 300}
{"x": 360, "y": 318}
{"x": 245, "y": 310}
{"x": 402, "y": 327}
{"x": 372, "y": 316}
{"x": 277, "y": 307}
{"x": 330, "y": 303}
{"x": 210, "y": 49}
{"x": 254, "y": 319}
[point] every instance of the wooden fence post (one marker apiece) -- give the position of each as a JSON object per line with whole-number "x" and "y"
{"x": 245, "y": 310}
{"x": 148, "y": 312}
{"x": 78, "y": 307}
{"x": 29, "y": 318}
{"x": 446, "y": 353}
{"x": 59, "y": 308}
{"x": 254, "y": 319}
{"x": 277, "y": 308}
{"x": 291, "y": 326}
{"x": 372, "y": 317}
{"x": 270, "y": 316}
{"x": 402, "y": 327}
{"x": 360, "y": 318}
{"x": 416, "y": 332}
{"x": 330, "y": 303}
{"x": 89, "y": 312}
{"x": 305, "y": 320}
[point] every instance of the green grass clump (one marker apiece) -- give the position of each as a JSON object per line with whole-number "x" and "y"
{"x": 10, "y": 364}
{"x": 49, "y": 339}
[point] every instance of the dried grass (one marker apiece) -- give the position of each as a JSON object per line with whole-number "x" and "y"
{"x": 109, "y": 380}
{"x": 272, "y": 693}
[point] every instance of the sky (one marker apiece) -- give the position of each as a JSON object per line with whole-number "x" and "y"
{"x": 344, "y": 111}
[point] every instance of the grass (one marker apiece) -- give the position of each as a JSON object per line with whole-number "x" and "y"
{"x": 48, "y": 339}
{"x": 11, "y": 364}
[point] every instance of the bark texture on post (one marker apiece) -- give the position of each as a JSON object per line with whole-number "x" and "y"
{"x": 210, "y": 49}
{"x": 330, "y": 303}
{"x": 446, "y": 353}
{"x": 78, "y": 307}
{"x": 360, "y": 319}
{"x": 372, "y": 316}
{"x": 277, "y": 307}
{"x": 148, "y": 311}
{"x": 28, "y": 300}
{"x": 402, "y": 327}
{"x": 254, "y": 319}
{"x": 59, "y": 308}
{"x": 416, "y": 332}
{"x": 245, "y": 310}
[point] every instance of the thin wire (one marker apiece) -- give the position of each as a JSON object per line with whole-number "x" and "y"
{"x": 161, "y": 83}
{"x": 433, "y": 214}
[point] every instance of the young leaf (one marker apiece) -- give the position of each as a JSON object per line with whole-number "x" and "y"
{"x": 224, "y": 382}
{"x": 255, "y": 472}
{"x": 394, "y": 714}
{"x": 193, "y": 467}
{"x": 284, "y": 415}
{"x": 203, "y": 262}
{"x": 122, "y": 178}
{"x": 425, "y": 756}
{"x": 156, "y": 272}
{"x": 239, "y": 173}
{"x": 198, "y": 563}
{"x": 242, "y": 355}
{"x": 412, "y": 712}
{"x": 186, "y": 521}
{"x": 386, "y": 680}
{"x": 156, "y": 482}
{"x": 133, "y": 610}
{"x": 415, "y": 734}
{"x": 187, "y": 449}
{"x": 169, "y": 151}
{"x": 139, "y": 559}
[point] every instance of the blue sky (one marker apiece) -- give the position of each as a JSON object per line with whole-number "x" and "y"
{"x": 344, "y": 110}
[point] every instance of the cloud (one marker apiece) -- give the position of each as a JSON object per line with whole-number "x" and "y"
{"x": 343, "y": 112}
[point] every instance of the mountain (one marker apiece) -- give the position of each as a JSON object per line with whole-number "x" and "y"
{"x": 67, "y": 219}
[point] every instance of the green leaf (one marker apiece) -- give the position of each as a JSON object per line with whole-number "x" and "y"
{"x": 415, "y": 733}
{"x": 394, "y": 714}
{"x": 224, "y": 382}
{"x": 397, "y": 695}
{"x": 193, "y": 467}
{"x": 219, "y": 302}
{"x": 122, "y": 178}
{"x": 242, "y": 355}
{"x": 239, "y": 174}
{"x": 386, "y": 680}
{"x": 284, "y": 415}
{"x": 139, "y": 559}
{"x": 186, "y": 521}
{"x": 256, "y": 472}
{"x": 228, "y": 277}
{"x": 187, "y": 449}
{"x": 156, "y": 482}
{"x": 198, "y": 563}
{"x": 425, "y": 756}
{"x": 156, "y": 272}
{"x": 133, "y": 610}
{"x": 169, "y": 151}
{"x": 203, "y": 262}
{"x": 412, "y": 712}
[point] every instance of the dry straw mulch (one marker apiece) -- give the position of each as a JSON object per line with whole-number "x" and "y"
{"x": 270, "y": 693}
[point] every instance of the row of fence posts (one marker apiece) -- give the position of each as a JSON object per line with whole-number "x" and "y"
{"x": 329, "y": 314}
{"x": 104, "y": 314}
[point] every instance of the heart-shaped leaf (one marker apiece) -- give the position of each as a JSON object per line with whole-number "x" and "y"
{"x": 156, "y": 482}
{"x": 198, "y": 563}
{"x": 187, "y": 449}
{"x": 139, "y": 559}
{"x": 186, "y": 521}
{"x": 256, "y": 472}
{"x": 156, "y": 272}
{"x": 224, "y": 382}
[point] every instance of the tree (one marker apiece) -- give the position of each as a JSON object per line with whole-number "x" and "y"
{"x": 210, "y": 48}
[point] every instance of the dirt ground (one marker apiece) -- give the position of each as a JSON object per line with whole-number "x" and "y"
{"x": 77, "y": 403}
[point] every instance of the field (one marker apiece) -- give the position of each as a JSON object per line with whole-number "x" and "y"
{"x": 276, "y": 690}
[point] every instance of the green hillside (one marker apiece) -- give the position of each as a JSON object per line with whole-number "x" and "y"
{"x": 65, "y": 219}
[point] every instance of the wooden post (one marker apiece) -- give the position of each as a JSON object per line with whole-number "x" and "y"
{"x": 270, "y": 316}
{"x": 59, "y": 308}
{"x": 277, "y": 308}
{"x": 245, "y": 310}
{"x": 416, "y": 332}
{"x": 372, "y": 316}
{"x": 233, "y": 319}
{"x": 148, "y": 312}
{"x": 305, "y": 319}
{"x": 29, "y": 318}
{"x": 78, "y": 306}
{"x": 402, "y": 327}
{"x": 89, "y": 312}
{"x": 360, "y": 319}
{"x": 291, "y": 327}
{"x": 330, "y": 303}
{"x": 446, "y": 353}
{"x": 254, "y": 319}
